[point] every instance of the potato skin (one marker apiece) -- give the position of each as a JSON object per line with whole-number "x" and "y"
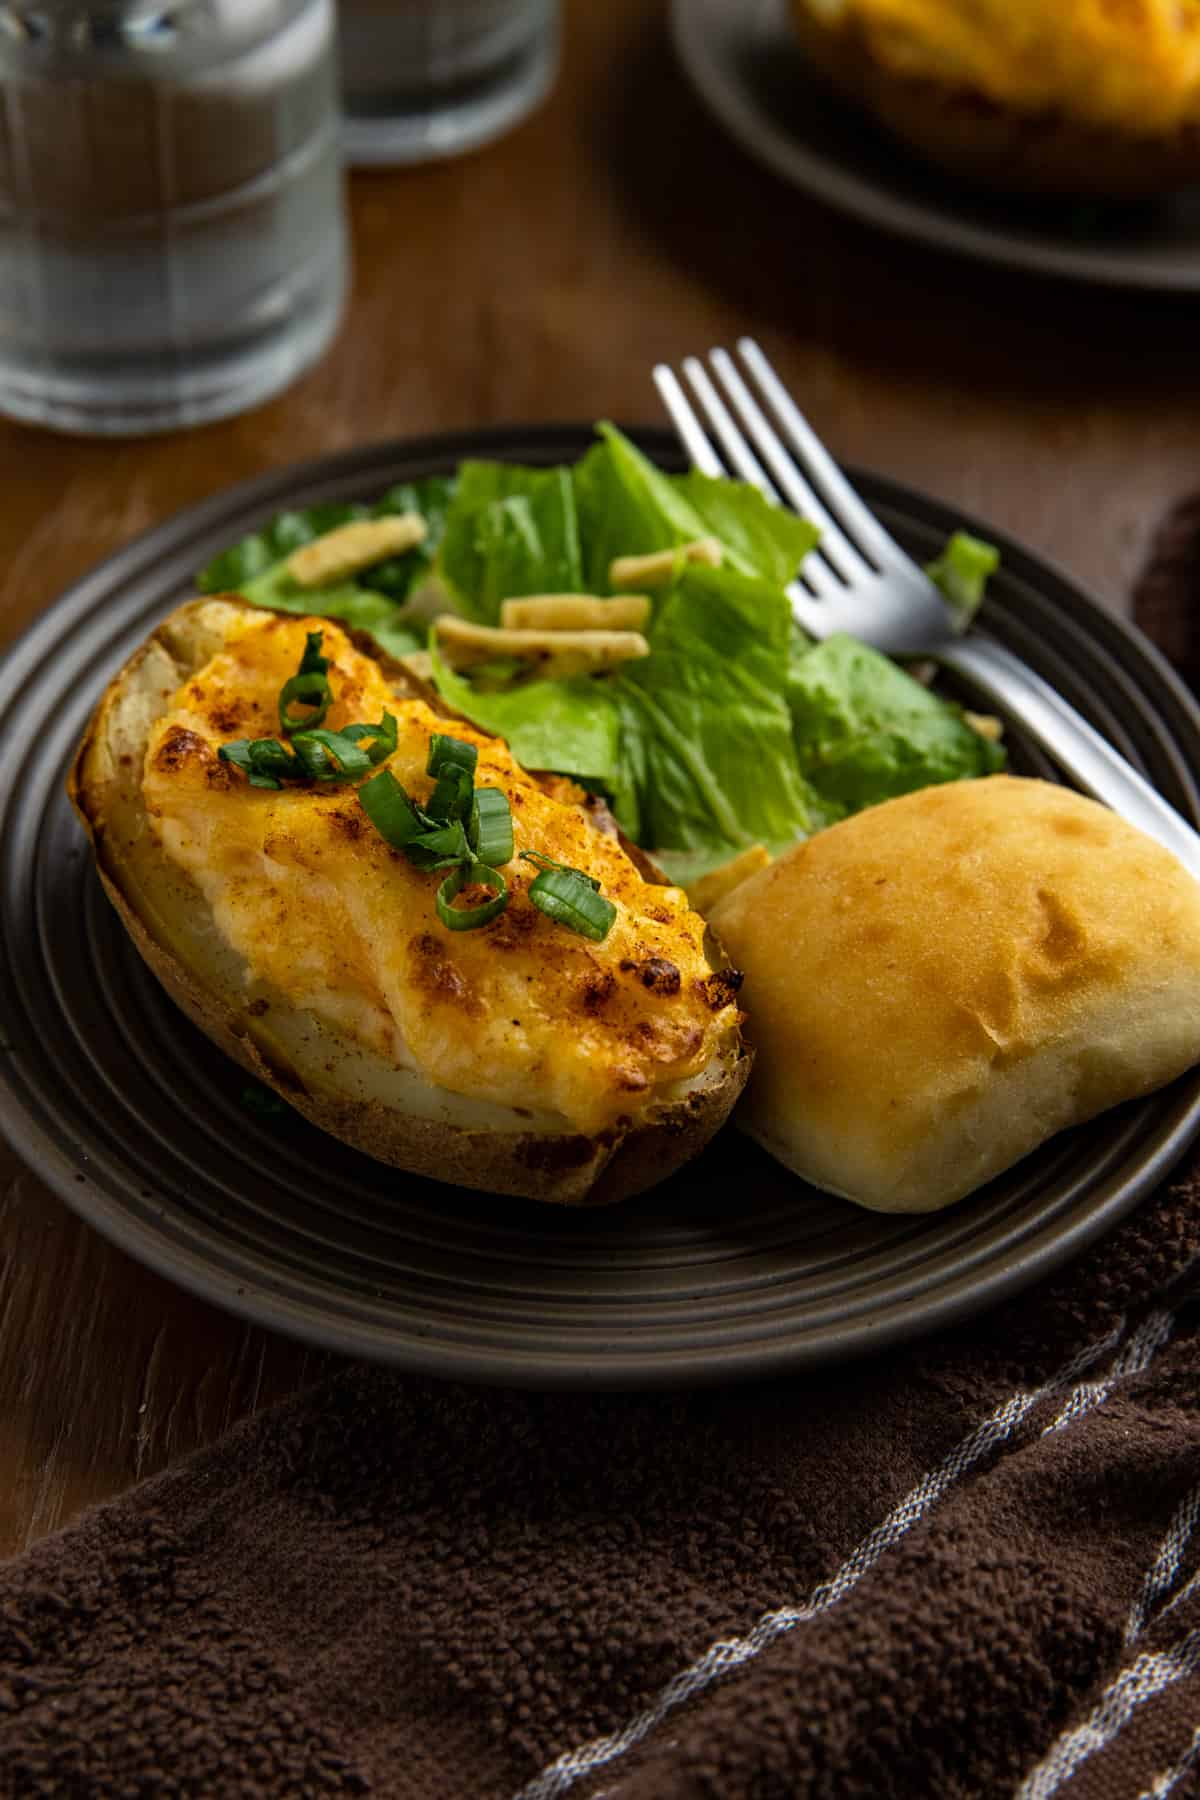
{"x": 970, "y": 137}
{"x": 167, "y": 918}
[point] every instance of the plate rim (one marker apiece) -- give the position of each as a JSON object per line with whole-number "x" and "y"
{"x": 1056, "y": 1242}
{"x": 825, "y": 179}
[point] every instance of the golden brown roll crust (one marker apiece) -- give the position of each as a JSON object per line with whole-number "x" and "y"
{"x": 939, "y": 984}
{"x": 975, "y": 138}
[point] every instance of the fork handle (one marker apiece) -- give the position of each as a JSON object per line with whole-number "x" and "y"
{"x": 1076, "y": 746}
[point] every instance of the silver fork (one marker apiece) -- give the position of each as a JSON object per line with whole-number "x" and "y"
{"x": 859, "y": 580}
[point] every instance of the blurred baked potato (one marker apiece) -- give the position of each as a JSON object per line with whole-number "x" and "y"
{"x": 1076, "y": 98}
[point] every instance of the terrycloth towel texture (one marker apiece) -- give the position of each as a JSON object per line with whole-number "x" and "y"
{"x": 970, "y": 1569}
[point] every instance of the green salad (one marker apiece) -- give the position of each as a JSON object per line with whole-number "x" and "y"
{"x": 736, "y": 729}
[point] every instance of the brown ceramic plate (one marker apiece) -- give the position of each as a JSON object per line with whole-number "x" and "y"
{"x": 744, "y": 61}
{"x": 734, "y": 1268}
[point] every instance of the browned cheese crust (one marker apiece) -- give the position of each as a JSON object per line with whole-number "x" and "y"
{"x": 167, "y": 918}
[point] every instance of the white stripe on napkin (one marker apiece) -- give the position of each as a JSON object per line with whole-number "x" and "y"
{"x": 1166, "y": 1564}
{"x": 1152, "y": 1336}
{"x": 1170, "y": 1778}
{"x": 992, "y": 1434}
{"x": 1185, "y": 1593}
{"x": 1153, "y": 1671}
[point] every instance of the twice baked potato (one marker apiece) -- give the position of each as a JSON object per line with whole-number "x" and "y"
{"x": 1077, "y": 98}
{"x": 519, "y": 1057}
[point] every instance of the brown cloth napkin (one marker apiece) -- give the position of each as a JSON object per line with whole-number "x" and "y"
{"x": 970, "y": 1569}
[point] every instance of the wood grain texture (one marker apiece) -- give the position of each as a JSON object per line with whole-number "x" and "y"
{"x": 538, "y": 280}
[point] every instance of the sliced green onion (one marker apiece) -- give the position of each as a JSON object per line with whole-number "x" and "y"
{"x": 239, "y": 753}
{"x": 470, "y": 918}
{"x": 309, "y": 685}
{"x": 312, "y": 692}
{"x": 268, "y": 757}
{"x": 312, "y": 760}
{"x": 426, "y": 842}
{"x": 318, "y": 756}
{"x": 471, "y": 854}
{"x": 390, "y": 810}
{"x": 445, "y": 750}
{"x": 572, "y": 899}
{"x": 264, "y": 761}
{"x": 439, "y": 847}
{"x": 451, "y": 797}
{"x": 312, "y": 662}
{"x": 315, "y": 749}
{"x": 491, "y": 828}
{"x": 540, "y": 861}
{"x": 383, "y": 736}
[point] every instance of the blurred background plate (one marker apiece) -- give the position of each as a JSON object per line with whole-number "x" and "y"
{"x": 749, "y": 70}
{"x": 733, "y": 1268}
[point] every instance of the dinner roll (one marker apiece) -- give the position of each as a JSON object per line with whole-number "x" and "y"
{"x": 937, "y": 985}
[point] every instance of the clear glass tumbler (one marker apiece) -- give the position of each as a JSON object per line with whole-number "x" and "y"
{"x": 431, "y": 78}
{"x": 172, "y": 235}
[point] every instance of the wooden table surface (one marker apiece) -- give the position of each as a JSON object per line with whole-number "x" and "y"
{"x": 539, "y": 280}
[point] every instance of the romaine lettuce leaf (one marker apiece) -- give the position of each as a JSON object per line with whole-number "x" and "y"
{"x": 510, "y": 530}
{"x": 705, "y": 720}
{"x": 256, "y": 568}
{"x": 570, "y": 727}
{"x": 865, "y": 731}
{"x": 692, "y": 744}
{"x": 359, "y": 607}
{"x": 514, "y": 530}
{"x": 400, "y": 576}
{"x": 736, "y": 729}
{"x": 627, "y": 507}
{"x": 759, "y": 538}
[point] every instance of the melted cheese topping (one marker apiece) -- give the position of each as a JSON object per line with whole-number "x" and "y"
{"x": 524, "y": 1011}
{"x": 1134, "y": 64}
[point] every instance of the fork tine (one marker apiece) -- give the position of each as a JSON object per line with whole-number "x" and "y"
{"x": 857, "y": 520}
{"x": 685, "y": 421}
{"x": 835, "y": 546}
{"x": 705, "y": 458}
{"x": 819, "y": 579}
{"x": 737, "y": 451}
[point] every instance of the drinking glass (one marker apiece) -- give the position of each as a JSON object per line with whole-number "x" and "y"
{"x": 431, "y": 78}
{"x": 172, "y": 238}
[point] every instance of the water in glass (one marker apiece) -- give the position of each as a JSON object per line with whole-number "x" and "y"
{"x": 430, "y": 78}
{"x": 172, "y": 239}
